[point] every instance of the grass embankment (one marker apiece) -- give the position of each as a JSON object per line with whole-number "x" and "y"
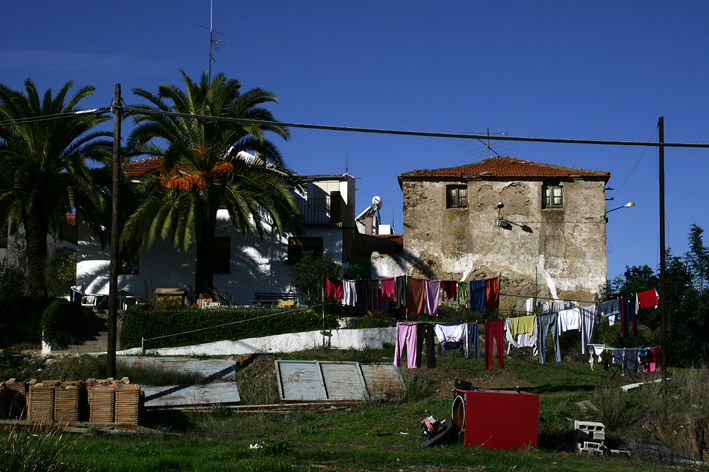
{"x": 384, "y": 436}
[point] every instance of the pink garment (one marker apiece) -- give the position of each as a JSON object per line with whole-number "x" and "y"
{"x": 406, "y": 334}
{"x": 433, "y": 291}
{"x": 647, "y": 299}
{"x": 386, "y": 291}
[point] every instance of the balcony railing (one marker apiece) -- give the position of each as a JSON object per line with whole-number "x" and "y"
{"x": 315, "y": 210}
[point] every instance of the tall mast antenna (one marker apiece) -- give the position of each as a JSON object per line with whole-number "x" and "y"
{"x": 213, "y": 41}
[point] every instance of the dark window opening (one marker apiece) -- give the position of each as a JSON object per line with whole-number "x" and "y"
{"x": 297, "y": 247}
{"x": 456, "y": 196}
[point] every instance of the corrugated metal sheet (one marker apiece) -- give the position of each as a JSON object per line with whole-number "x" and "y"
{"x": 300, "y": 381}
{"x": 185, "y": 395}
{"x": 212, "y": 369}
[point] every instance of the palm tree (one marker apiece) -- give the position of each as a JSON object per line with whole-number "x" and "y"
{"x": 43, "y": 171}
{"x": 204, "y": 169}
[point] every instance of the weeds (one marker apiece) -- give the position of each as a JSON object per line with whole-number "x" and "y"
{"x": 36, "y": 450}
{"x": 417, "y": 386}
{"x": 257, "y": 390}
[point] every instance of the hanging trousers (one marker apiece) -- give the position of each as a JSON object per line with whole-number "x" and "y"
{"x": 406, "y": 334}
{"x": 473, "y": 341}
{"x": 546, "y": 323}
{"x": 425, "y": 334}
{"x": 493, "y": 332}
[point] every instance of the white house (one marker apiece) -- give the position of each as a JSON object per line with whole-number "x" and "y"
{"x": 250, "y": 264}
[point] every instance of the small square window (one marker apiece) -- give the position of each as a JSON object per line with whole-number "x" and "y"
{"x": 456, "y": 196}
{"x": 128, "y": 265}
{"x": 553, "y": 196}
{"x": 297, "y": 247}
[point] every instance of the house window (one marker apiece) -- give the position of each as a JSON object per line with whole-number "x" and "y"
{"x": 128, "y": 265}
{"x": 221, "y": 256}
{"x": 553, "y": 196}
{"x": 297, "y": 247}
{"x": 456, "y": 196}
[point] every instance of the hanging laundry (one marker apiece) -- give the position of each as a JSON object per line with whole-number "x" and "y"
{"x": 333, "y": 289}
{"x": 588, "y": 326}
{"x": 477, "y": 295}
{"x": 449, "y": 288}
{"x": 406, "y": 335}
{"x": 610, "y": 310}
{"x": 520, "y": 338}
{"x": 651, "y": 359}
{"x": 522, "y": 324}
{"x": 372, "y": 295}
{"x": 472, "y": 337}
{"x": 647, "y": 299}
{"x": 492, "y": 294}
{"x": 433, "y": 291}
{"x": 361, "y": 286}
{"x": 450, "y": 336}
{"x": 463, "y": 294}
{"x": 387, "y": 291}
{"x": 400, "y": 288}
{"x": 425, "y": 333}
{"x": 569, "y": 319}
{"x": 493, "y": 332}
{"x": 349, "y": 293}
{"x": 628, "y": 321}
{"x": 546, "y": 323}
{"x": 415, "y": 298}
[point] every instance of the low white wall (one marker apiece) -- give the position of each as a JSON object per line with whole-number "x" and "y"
{"x": 335, "y": 339}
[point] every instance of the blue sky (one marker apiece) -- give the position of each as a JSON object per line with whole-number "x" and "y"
{"x": 557, "y": 69}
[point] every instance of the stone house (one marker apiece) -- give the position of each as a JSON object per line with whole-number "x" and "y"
{"x": 541, "y": 228}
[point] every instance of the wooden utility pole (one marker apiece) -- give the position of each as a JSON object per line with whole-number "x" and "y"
{"x": 663, "y": 347}
{"x": 113, "y": 281}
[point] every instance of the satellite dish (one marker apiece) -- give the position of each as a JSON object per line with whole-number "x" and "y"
{"x": 377, "y": 202}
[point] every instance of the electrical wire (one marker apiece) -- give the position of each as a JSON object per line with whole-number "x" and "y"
{"x": 58, "y": 116}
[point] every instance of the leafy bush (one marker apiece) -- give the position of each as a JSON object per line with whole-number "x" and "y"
{"x": 62, "y": 321}
{"x": 204, "y": 326}
{"x": 21, "y": 319}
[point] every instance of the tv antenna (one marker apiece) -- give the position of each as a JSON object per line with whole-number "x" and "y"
{"x": 487, "y": 145}
{"x": 213, "y": 41}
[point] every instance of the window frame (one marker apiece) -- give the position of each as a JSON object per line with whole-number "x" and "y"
{"x": 456, "y": 196}
{"x": 549, "y": 200}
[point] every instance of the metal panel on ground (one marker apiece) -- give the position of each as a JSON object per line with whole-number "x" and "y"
{"x": 300, "y": 381}
{"x": 384, "y": 381}
{"x": 211, "y": 369}
{"x": 184, "y": 395}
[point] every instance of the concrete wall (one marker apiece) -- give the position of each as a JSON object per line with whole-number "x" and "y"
{"x": 337, "y": 339}
{"x": 564, "y": 250}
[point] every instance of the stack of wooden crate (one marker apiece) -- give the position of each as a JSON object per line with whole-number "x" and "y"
{"x": 13, "y": 399}
{"x": 40, "y": 401}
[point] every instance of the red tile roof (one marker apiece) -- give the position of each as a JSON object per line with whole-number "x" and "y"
{"x": 151, "y": 165}
{"x": 502, "y": 167}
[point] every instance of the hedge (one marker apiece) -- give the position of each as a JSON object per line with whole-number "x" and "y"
{"x": 62, "y": 322}
{"x": 20, "y": 319}
{"x": 143, "y": 321}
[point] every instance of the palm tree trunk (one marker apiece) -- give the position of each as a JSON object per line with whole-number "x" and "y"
{"x": 36, "y": 226}
{"x": 204, "y": 277}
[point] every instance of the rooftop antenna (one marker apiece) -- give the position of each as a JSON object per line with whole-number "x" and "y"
{"x": 490, "y": 150}
{"x": 347, "y": 157}
{"x": 213, "y": 41}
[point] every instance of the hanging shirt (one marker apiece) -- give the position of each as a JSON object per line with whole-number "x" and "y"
{"x": 521, "y": 339}
{"x": 333, "y": 288}
{"x": 450, "y": 336}
{"x": 477, "y": 295}
{"x": 349, "y": 293}
{"x": 400, "y": 288}
{"x": 387, "y": 291}
{"x": 463, "y": 294}
{"x": 522, "y": 324}
{"x": 569, "y": 319}
{"x": 433, "y": 291}
{"x": 449, "y": 288}
{"x": 647, "y": 299}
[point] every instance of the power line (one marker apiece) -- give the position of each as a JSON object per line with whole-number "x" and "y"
{"x": 410, "y": 133}
{"x": 58, "y": 116}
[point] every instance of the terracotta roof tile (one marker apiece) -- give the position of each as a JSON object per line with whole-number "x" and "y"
{"x": 502, "y": 167}
{"x": 151, "y": 165}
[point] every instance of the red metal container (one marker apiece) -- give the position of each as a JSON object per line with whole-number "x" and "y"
{"x": 496, "y": 419}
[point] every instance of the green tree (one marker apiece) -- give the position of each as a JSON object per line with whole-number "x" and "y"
{"x": 204, "y": 169}
{"x": 43, "y": 171}
{"x": 309, "y": 274}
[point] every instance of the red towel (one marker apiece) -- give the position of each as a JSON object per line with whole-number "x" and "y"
{"x": 333, "y": 288}
{"x": 648, "y": 298}
{"x": 492, "y": 294}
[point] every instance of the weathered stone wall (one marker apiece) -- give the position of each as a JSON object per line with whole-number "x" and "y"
{"x": 561, "y": 252}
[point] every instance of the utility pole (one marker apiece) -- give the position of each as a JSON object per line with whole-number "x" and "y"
{"x": 663, "y": 348}
{"x": 113, "y": 281}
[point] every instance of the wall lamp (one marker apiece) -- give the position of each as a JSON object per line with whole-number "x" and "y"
{"x": 627, "y": 205}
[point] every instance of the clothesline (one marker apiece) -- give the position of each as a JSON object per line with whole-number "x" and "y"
{"x": 547, "y": 298}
